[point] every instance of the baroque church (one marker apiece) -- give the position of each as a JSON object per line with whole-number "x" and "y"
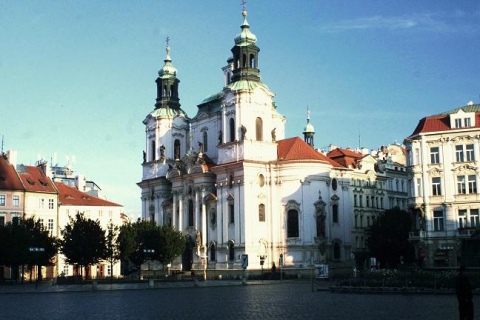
{"x": 230, "y": 181}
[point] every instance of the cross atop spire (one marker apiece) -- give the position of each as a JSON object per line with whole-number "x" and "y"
{"x": 167, "y": 40}
{"x": 244, "y": 5}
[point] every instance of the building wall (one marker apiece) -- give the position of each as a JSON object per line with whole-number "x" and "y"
{"x": 437, "y": 239}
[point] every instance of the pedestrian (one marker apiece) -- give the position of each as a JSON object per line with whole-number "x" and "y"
{"x": 463, "y": 289}
{"x": 192, "y": 274}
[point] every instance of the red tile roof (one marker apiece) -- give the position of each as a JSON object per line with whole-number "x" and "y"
{"x": 71, "y": 196}
{"x": 297, "y": 149}
{"x": 34, "y": 180}
{"x": 346, "y": 158}
{"x": 9, "y": 179}
{"x": 441, "y": 122}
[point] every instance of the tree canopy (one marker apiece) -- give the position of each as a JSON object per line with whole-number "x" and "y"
{"x": 83, "y": 241}
{"x": 144, "y": 240}
{"x": 26, "y": 241}
{"x": 388, "y": 238}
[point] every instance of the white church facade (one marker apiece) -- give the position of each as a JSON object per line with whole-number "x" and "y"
{"x": 230, "y": 181}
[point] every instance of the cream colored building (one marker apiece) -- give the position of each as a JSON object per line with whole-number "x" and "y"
{"x": 443, "y": 163}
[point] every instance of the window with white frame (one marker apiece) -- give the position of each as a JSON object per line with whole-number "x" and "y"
{"x": 462, "y": 218}
{"x": 66, "y": 270}
{"x": 417, "y": 156}
{"x": 51, "y": 203}
{"x": 464, "y": 153}
{"x": 472, "y": 183}
{"x": 474, "y": 218}
{"x": 459, "y": 153}
{"x": 438, "y": 220}
{"x": 109, "y": 270}
{"x": 419, "y": 187}
{"x": 467, "y": 184}
{"x": 16, "y": 201}
{"x": 41, "y": 223}
{"x": 50, "y": 224}
{"x": 458, "y": 123}
{"x": 2, "y": 200}
{"x": 469, "y": 152}
{"x": 467, "y": 122}
{"x": 461, "y": 186}
{"x": 436, "y": 186}
{"x": 41, "y": 203}
{"x": 434, "y": 155}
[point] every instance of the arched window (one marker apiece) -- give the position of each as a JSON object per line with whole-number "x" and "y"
{"x": 232, "y": 130}
{"x": 205, "y": 141}
{"x": 261, "y": 213}
{"x": 164, "y": 91}
{"x": 244, "y": 60}
{"x": 259, "y": 129}
{"x": 176, "y": 149}
{"x": 336, "y": 251}
{"x": 321, "y": 226}
{"x": 252, "y": 61}
{"x": 190, "y": 213}
{"x": 213, "y": 252}
{"x": 231, "y": 251}
{"x": 237, "y": 65}
{"x": 152, "y": 151}
{"x": 172, "y": 91}
{"x": 292, "y": 224}
{"x": 335, "y": 213}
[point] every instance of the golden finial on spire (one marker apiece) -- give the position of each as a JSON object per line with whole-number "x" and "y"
{"x": 244, "y": 5}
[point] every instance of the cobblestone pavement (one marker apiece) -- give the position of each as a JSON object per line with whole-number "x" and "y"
{"x": 272, "y": 300}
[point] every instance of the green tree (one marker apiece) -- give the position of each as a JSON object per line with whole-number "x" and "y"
{"x": 112, "y": 252}
{"x": 172, "y": 244}
{"x": 17, "y": 242}
{"x": 127, "y": 244}
{"x": 83, "y": 242}
{"x": 42, "y": 247}
{"x": 144, "y": 240}
{"x": 14, "y": 246}
{"x": 388, "y": 238}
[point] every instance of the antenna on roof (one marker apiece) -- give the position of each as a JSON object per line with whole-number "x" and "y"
{"x": 2, "y": 143}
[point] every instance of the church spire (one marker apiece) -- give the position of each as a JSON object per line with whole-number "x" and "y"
{"x": 167, "y": 83}
{"x": 245, "y": 53}
{"x": 308, "y": 130}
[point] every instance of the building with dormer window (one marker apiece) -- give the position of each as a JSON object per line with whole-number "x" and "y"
{"x": 443, "y": 162}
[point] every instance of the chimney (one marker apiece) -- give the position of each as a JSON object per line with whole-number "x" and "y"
{"x": 12, "y": 157}
{"x": 80, "y": 182}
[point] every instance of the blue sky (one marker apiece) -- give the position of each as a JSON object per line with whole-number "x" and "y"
{"x": 77, "y": 77}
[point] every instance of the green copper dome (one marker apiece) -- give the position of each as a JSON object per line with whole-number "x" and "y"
{"x": 168, "y": 69}
{"x": 245, "y": 37}
{"x": 309, "y": 128}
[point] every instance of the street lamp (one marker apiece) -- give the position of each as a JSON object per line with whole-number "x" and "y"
{"x": 36, "y": 251}
{"x": 262, "y": 261}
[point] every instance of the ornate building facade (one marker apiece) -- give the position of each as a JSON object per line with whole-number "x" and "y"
{"x": 231, "y": 182}
{"x": 443, "y": 163}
